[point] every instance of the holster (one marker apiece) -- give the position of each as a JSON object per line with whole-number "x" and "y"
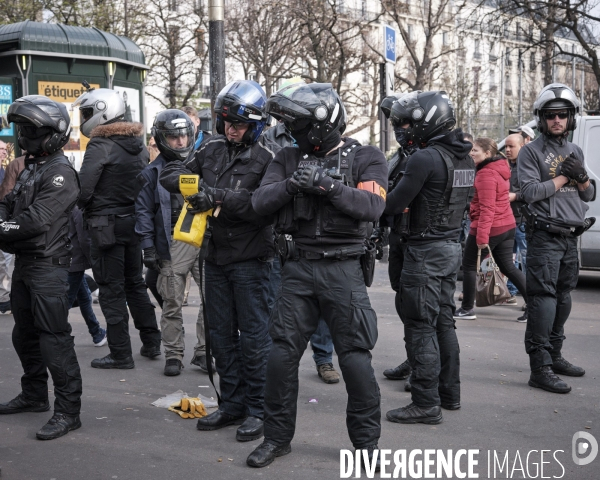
{"x": 367, "y": 262}
{"x": 286, "y": 248}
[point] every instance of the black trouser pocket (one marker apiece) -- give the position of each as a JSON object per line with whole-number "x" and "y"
{"x": 363, "y": 322}
{"x": 103, "y": 231}
{"x": 413, "y": 295}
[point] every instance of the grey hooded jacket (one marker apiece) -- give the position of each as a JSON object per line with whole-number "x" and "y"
{"x": 538, "y": 164}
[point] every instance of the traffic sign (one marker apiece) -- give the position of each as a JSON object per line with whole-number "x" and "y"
{"x": 389, "y": 44}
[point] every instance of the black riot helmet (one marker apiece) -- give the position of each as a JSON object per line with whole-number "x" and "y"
{"x": 429, "y": 114}
{"x": 556, "y": 96}
{"x": 43, "y": 125}
{"x": 169, "y": 126}
{"x": 313, "y": 113}
{"x": 242, "y": 101}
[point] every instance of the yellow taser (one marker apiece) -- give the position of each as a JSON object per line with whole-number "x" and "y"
{"x": 190, "y": 227}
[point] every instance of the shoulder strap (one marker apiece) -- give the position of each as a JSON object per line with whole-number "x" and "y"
{"x": 347, "y": 155}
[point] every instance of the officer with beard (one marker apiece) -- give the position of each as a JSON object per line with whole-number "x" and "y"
{"x": 34, "y": 224}
{"x": 555, "y": 185}
{"x": 325, "y": 193}
{"x": 435, "y": 189}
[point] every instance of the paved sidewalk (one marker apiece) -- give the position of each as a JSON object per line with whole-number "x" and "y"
{"x": 124, "y": 437}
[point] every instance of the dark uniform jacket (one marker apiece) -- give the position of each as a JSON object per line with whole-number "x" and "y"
{"x": 514, "y": 188}
{"x": 238, "y": 232}
{"x": 153, "y": 210}
{"x": 80, "y": 240}
{"x": 35, "y": 215}
{"x": 113, "y": 159}
{"x": 426, "y": 173}
{"x": 354, "y": 206}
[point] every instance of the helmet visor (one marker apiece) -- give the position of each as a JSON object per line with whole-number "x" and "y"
{"x": 177, "y": 139}
{"x": 85, "y": 113}
{"x": 284, "y": 109}
{"x": 246, "y": 92}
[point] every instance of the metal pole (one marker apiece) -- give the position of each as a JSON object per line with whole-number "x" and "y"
{"x": 582, "y": 85}
{"x": 216, "y": 41}
{"x": 383, "y": 124}
{"x": 520, "y": 88}
{"x": 502, "y": 60}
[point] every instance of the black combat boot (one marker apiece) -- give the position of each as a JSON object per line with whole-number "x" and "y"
{"x": 546, "y": 379}
{"x": 415, "y": 414}
{"x": 266, "y": 453}
{"x": 564, "y": 367}
{"x": 401, "y": 372}
{"x": 21, "y": 404}
{"x": 59, "y": 425}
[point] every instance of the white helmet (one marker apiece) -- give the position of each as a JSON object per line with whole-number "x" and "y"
{"x": 556, "y": 96}
{"x": 99, "y": 107}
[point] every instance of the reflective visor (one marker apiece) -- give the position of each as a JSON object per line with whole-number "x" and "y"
{"x": 283, "y": 109}
{"x": 248, "y": 93}
{"x": 85, "y": 113}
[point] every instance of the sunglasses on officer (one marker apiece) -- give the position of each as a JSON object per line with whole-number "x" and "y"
{"x": 552, "y": 115}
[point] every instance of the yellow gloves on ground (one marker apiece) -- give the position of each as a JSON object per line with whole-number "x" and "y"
{"x": 189, "y": 408}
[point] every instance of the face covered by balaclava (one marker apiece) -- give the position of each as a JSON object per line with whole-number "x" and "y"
{"x": 33, "y": 139}
{"x": 305, "y": 146}
{"x": 400, "y": 133}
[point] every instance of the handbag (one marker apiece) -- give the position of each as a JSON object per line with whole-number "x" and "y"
{"x": 490, "y": 286}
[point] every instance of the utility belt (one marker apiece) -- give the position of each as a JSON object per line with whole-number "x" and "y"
{"x": 31, "y": 259}
{"x": 532, "y": 223}
{"x": 366, "y": 252}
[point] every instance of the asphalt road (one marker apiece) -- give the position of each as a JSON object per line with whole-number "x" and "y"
{"x": 124, "y": 437}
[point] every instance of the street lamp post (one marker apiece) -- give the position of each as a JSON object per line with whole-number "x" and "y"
{"x": 216, "y": 42}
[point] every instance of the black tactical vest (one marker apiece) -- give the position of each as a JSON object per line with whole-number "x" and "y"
{"x": 447, "y": 214}
{"x": 315, "y": 216}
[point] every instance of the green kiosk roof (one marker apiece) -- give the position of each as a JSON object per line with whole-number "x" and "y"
{"x": 51, "y": 39}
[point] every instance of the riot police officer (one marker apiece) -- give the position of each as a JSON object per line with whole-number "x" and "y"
{"x": 390, "y": 224}
{"x": 113, "y": 159}
{"x": 325, "y": 193}
{"x": 240, "y": 253}
{"x": 555, "y": 184}
{"x": 435, "y": 189}
{"x": 34, "y": 224}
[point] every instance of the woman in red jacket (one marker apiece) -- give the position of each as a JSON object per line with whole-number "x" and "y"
{"x": 492, "y": 223}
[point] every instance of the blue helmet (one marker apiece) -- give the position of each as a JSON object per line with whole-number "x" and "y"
{"x": 242, "y": 101}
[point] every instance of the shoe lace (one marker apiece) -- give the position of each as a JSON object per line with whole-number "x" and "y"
{"x": 327, "y": 367}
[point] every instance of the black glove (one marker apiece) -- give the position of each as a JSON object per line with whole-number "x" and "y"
{"x": 380, "y": 237}
{"x": 200, "y": 202}
{"x": 574, "y": 169}
{"x": 151, "y": 259}
{"x": 218, "y": 194}
{"x": 313, "y": 179}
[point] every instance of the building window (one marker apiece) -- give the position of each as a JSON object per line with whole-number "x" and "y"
{"x": 172, "y": 5}
{"x": 532, "y": 62}
{"x": 477, "y": 48}
{"x": 446, "y": 38}
{"x": 411, "y": 32}
{"x": 492, "y": 79}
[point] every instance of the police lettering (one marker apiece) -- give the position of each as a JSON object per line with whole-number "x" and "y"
{"x": 463, "y": 178}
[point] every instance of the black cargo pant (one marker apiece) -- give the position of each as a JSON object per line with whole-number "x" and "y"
{"x": 42, "y": 334}
{"x": 335, "y": 291}
{"x": 118, "y": 271}
{"x": 552, "y": 272}
{"x": 427, "y": 286}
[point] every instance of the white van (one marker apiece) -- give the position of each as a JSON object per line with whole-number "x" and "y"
{"x": 587, "y": 137}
